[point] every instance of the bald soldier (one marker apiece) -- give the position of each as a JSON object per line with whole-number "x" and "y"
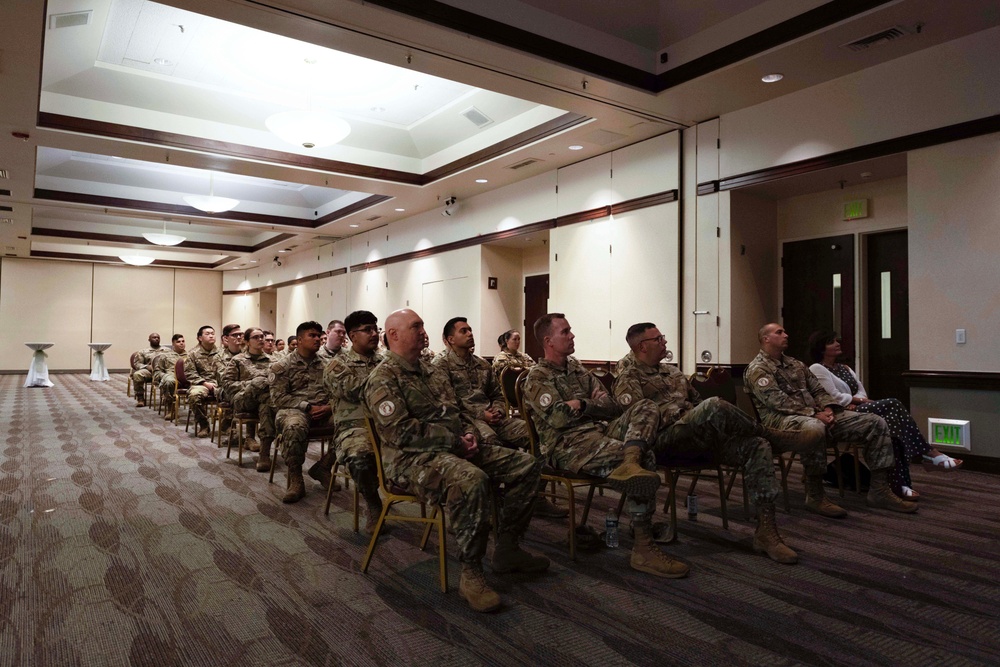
{"x": 431, "y": 449}
{"x": 789, "y": 397}
{"x": 142, "y": 368}
{"x": 583, "y": 429}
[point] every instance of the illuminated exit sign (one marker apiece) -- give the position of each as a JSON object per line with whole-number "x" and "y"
{"x": 948, "y": 433}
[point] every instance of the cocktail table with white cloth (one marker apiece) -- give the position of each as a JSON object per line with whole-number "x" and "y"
{"x": 99, "y": 369}
{"x": 38, "y": 373}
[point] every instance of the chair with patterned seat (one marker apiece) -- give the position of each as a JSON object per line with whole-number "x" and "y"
{"x": 508, "y": 380}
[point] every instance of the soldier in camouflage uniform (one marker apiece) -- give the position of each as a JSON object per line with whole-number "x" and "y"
{"x": 142, "y": 368}
{"x": 430, "y": 448}
{"x": 164, "y": 373}
{"x": 202, "y": 367}
{"x": 269, "y": 345}
{"x": 245, "y": 384}
{"x": 689, "y": 425}
{"x": 279, "y": 347}
{"x": 477, "y": 389}
{"x": 788, "y": 396}
{"x": 300, "y": 399}
{"x": 345, "y": 378}
{"x": 232, "y": 344}
{"x": 336, "y": 336}
{"x": 583, "y": 429}
{"x": 510, "y": 355}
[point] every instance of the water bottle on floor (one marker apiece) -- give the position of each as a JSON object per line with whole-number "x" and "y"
{"x": 692, "y": 503}
{"x": 611, "y": 529}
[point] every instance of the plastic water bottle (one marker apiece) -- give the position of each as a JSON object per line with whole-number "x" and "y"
{"x": 611, "y": 529}
{"x": 692, "y": 503}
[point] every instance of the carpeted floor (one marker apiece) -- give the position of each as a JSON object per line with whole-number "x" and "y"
{"x": 125, "y": 541}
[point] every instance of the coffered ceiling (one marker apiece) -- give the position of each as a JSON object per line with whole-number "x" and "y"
{"x": 115, "y": 110}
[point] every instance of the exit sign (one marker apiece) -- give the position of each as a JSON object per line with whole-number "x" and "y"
{"x": 948, "y": 433}
{"x": 855, "y": 210}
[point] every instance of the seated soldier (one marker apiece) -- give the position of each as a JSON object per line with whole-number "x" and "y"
{"x": 582, "y": 429}
{"x": 300, "y": 401}
{"x": 480, "y": 397}
{"x": 429, "y": 448}
{"x": 202, "y": 367}
{"x": 689, "y": 425}
{"x": 245, "y": 385}
{"x": 232, "y": 344}
{"x": 789, "y": 397}
{"x": 142, "y": 368}
{"x": 164, "y": 373}
{"x": 279, "y": 347}
{"x": 336, "y": 336}
{"x": 269, "y": 345}
{"x": 345, "y": 378}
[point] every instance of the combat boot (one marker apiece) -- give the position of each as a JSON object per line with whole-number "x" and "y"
{"x": 321, "y": 470}
{"x": 296, "y": 485}
{"x": 647, "y": 557}
{"x": 473, "y": 587}
{"x": 545, "y": 508}
{"x": 510, "y": 557}
{"x": 816, "y": 500}
{"x": 202, "y": 430}
{"x": 264, "y": 460}
{"x": 251, "y": 444}
{"x": 140, "y": 400}
{"x": 767, "y": 540}
{"x": 631, "y": 478}
{"x": 881, "y": 496}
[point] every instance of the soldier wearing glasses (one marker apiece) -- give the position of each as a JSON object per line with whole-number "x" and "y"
{"x": 245, "y": 382}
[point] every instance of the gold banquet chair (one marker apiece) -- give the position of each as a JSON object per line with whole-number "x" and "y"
{"x": 391, "y": 496}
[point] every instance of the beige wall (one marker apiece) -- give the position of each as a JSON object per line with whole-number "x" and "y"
{"x": 75, "y": 303}
{"x": 502, "y": 308}
{"x": 752, "y": 258}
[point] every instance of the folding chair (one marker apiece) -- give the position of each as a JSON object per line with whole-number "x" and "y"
{"x": 508, "y": 378}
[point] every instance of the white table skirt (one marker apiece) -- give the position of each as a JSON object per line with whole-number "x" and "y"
{"x": 38, "y": 372}
{"x": 99, "y": 369}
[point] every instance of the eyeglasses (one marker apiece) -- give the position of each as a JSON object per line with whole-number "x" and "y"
{"x": 371, "y": 330}
{"x": 256, "y": 337}
{"x": 659, "y": 339}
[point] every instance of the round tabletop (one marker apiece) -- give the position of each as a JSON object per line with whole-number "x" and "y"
{"x": 39, "y": 346}
{"x": 99, "y": 347}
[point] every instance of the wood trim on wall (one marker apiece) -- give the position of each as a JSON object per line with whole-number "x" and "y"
{"x": 297, "y": 281}
{"x": 967, "y": 380}
{"x": 106, "y": 259}
{"x": 135, "y": 240}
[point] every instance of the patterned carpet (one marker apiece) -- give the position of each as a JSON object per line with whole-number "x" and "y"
{"x": 124, "y": 541}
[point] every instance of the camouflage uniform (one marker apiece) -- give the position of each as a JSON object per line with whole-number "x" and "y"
{"x": 164, "y": 374}
{"x": 592, "y": 440}
{"x": 296, "y": 386}
{"x": 201, "y": 367}
{"x": 344, "y": 379}
{"x": 689, "y": 425}
{"x": 477, "y": 389}
{"x": 624, "y": 363}
{"x": 420, "y": 425}
{"x": 245, "y": 383}
{"x": 142, "y": 369}
{"x": 508, "y": 359}
{"x": 788, "y": 395}
{"x": 327, "y": 356}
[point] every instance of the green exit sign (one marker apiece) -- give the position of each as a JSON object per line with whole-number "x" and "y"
{"x": 948, "y": 433}
{"x": 854, "y": 210}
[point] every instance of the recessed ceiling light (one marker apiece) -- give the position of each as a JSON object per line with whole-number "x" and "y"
{"x": 310, "y": 61}
{"x": 866, "y": 174}
{"x": 285, "y": 250}
{"x": 354, "y": 226}
{"x": 400, "y": 210}
{"x": 254, "y": 261}
{"x": 576, "y": 148}
{"x": 163, "y": 62}
{"x": 481, "y": 180}
{"x": 772, "y": 78}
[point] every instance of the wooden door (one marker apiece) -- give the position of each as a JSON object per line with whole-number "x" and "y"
{"x": 536, "y": 304}
{"x": 888, "y": 310}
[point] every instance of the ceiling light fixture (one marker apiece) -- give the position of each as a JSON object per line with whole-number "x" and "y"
{"x": 353, "y": 226}
{"x": 481, "y": 180}
{"x": 772, "y": 78}
{"x": 309, "y": 129}
{"x": 400, "y": 210}
{"x": 136, "y": 260}
{"x": 576, "y": 148}
{"x": 210, "y": 203}
{"x": 164, "y": 238}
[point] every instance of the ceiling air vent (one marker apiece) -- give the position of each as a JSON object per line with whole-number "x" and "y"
{"x": 4, "y": 174}
{"x": 373, "y": 218}
{"x": 523, "y": 163}
{"x": 4, "y": 193}
{"x": 880, "y": 38}
{"x": 6, "y": 208}
{"x": 477, "y": 117}
{"x": 70, "y": 19}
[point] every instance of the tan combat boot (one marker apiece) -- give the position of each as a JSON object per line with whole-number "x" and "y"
{"x": 296, "y": 485}
{"x": 321, "y": 470}
{"x": 264, "y": 460}
{"x": 631, "y": 478}
{"x": 251, "y": 444}
{"x": 816, "y": 500}
{"x": 473, "y": 587}
{"x": 510, "y": 557}
{"x": 202, "y": 431}
{"x": 767, "y": 540}
{"x": 647, "y": 557}
{"x": 881, "y": 496}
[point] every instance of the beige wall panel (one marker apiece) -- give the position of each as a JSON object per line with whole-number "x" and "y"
{"x": 296, "y": 304}
{"x": 754, "y": 267}
{"x": 916, "y": 92}
{"x": 644, "y": 273}
{"x": 819, "y": 214}
{"x": 243, "y": 309}
{"x": 130, "y": 302}
{"x": 706, "y": 144}
{"x": 368, "y": 291}
{"x": 689, "y": 217}
{"x": 407, "y": 280}
{"x": 444, "y": 299}
{"x": 585, "y": 185}
{"x": 645, "y": 168}
{"x": 45, "y": 301}
{"x": 580, "y": 284}
{"x": 502, "y": 307}
{"x": 954, "y": 244}
{"x": 268, "y": 318}
{"x": 197, "y": 301}
{"x": 707, "y": 278}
